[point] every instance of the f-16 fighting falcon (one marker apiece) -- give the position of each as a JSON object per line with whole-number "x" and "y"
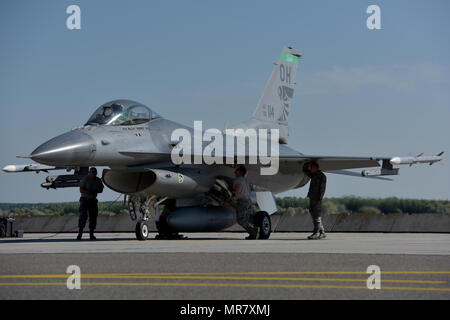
{"x": 183, "y": 184}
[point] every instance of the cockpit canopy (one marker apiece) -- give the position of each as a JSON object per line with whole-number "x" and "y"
{"x": 122, "y": 113}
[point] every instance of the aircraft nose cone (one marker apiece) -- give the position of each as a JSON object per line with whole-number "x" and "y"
{"x": 73, "y": 148}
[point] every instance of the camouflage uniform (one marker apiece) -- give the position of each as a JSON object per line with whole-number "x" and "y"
{"x": 315, "y": 194}
{"x": 244, "y": 207}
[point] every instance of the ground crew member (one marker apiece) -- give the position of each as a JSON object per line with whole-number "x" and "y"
{"x": 315, "y": 194}
{"x": 241, "y": 190}
{"x": 89, "y": 187}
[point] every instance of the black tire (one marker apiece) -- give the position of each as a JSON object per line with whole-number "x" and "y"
{"x": 264, "y": 224}
{"x": 142, "y": 230}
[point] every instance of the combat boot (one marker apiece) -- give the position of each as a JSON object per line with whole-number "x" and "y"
{"x": 322, "y": 235}
{"x": 91, "y": 235}
{"x": 253, "y": 234}
{"x": 80, "y": 234}
{"x": 314, "y": 236}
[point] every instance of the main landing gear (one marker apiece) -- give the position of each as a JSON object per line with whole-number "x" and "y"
{"x": 263, "y": 223}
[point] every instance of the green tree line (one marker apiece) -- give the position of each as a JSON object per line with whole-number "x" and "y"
{"x": 57, "y": 209}
{"x": 286, "y": 206}
{"x": 293, "y": 205}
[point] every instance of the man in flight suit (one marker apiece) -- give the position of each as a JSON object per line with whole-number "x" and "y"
{"x": 241, "y": 190}
{"x": 89, "y": 187}
{"x": 315, "y": 194}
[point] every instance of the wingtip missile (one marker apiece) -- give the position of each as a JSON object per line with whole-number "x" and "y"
{"x": 12, "y": 168}
{"x": 27, "y": 167}
{"x": 418, "y": 159}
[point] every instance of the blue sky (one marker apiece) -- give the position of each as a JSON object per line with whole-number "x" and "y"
{"x": 359, "y": 92}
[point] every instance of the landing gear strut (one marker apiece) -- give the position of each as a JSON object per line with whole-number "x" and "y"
{"x": 141, "y": 210}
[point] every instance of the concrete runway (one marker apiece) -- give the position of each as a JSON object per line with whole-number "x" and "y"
{"x": 224, "y": 266}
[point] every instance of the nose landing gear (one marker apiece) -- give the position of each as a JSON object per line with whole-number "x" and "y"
{"x": 141, "y": 210}
{"x": 142, "y": 230}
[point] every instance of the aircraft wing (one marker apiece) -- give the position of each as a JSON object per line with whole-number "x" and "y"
{"x": 337, "y": 164}
{"x": 326, "y": 163}
{"x": 329, "y": 163}
{"x": 332, "y": 164}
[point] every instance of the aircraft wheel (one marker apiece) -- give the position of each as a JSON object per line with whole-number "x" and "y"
{"x": 263, "y": 222}
{"x": 142, "y": 231}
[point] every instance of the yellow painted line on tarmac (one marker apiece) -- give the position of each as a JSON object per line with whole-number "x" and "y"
{"x": 221, "y": 273}
{"x": 175, "y": 277}
{"x": 156, "y": 284}
{"x": 263, "y": 278}
{"x": 281, "y": 273}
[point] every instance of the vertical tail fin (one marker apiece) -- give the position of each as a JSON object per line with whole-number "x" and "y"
{"x": 274, "y": 106}
{"x": 275, "y": 102}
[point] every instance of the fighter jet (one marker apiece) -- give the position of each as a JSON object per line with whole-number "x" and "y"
{"x": 136, "y": 145}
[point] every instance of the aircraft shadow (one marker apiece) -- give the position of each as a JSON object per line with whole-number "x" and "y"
{"x": 100, "y": 239}
{"x": 49, "y": 240}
